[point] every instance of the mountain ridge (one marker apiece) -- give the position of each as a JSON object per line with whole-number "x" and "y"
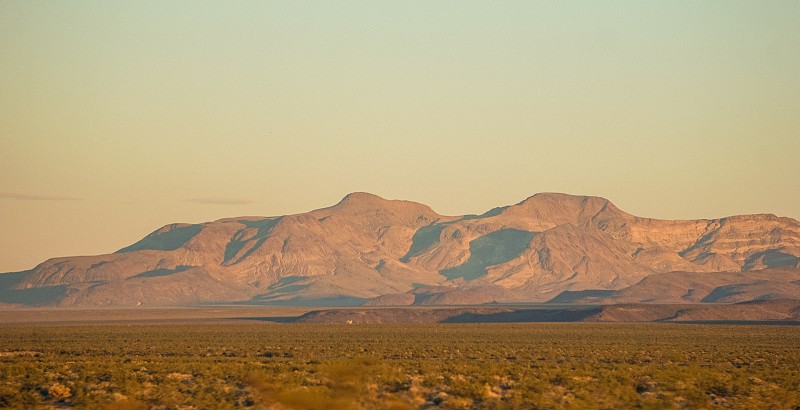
{"x": 367, "y": 249}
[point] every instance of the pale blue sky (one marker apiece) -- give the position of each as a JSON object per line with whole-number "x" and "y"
{"x": 117, "y": 118}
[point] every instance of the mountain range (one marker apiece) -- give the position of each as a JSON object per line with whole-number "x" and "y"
{"x": 366, "y": 250}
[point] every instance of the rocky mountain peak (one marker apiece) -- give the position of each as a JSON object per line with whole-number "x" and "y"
{"x": 363, "y": 204}
{"x": 361, "y": 199}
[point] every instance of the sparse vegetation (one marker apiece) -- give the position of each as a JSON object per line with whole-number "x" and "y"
{"x": 400, "y": 367}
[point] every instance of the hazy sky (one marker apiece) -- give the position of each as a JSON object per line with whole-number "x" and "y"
{"x": 119, "y": 117}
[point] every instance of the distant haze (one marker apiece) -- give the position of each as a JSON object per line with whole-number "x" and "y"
{"x": 119, "y": 117}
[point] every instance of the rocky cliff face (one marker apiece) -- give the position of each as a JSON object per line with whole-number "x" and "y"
{"x": 402, "y": 252}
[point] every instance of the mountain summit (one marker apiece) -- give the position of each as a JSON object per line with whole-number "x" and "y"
{"x": 366, "y": 249}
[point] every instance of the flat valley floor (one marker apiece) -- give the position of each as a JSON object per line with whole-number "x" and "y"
{"x": 187, "y": 359}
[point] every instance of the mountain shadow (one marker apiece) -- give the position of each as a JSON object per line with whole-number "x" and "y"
{"x": 772, "y": 258}
{"x": 33, "y": 296}
{"x": 572, "y": 296}
{"x": 165, "y": 241}
{"x": 526, "y": 316}
{"x": 722, "y": 292}
{"x": 234, "y": 246}
{"x": 423, "y": 239}
{"x": 162, "y": 272}
{"x": 489, "y": 250}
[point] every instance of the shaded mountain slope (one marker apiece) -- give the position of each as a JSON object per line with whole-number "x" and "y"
{"x": 773, "y": 311}
{"x": 694, "y": 287}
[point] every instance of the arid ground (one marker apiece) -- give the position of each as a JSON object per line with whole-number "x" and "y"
{"x": 243, "y": 357}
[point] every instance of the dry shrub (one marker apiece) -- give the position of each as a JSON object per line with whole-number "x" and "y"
{"x": 59, "y": 392}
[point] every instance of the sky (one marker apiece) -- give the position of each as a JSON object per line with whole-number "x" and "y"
{"x": 117, "y": 118}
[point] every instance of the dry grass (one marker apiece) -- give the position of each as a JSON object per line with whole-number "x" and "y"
{"x": 400, "y": 367}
